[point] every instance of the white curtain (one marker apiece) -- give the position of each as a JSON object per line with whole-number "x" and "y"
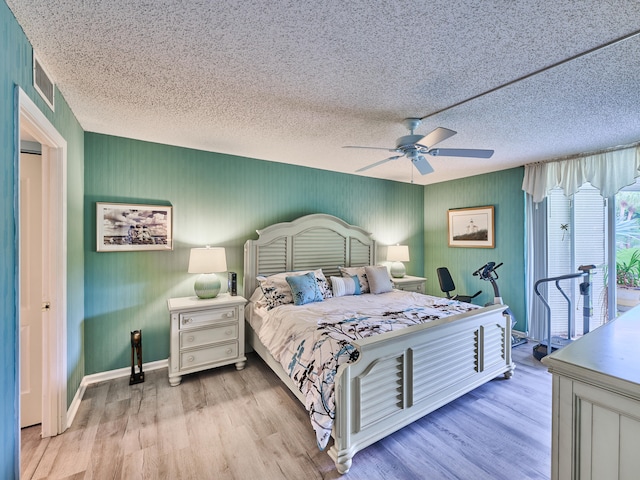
{"x": 536, "y": 265}
{"x": 608, "y": 172}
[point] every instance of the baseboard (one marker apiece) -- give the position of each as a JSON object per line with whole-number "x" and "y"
{"x": 75, "y": 403}
{"x": 103, "y": 377}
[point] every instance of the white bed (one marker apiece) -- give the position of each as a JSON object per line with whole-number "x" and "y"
{"x": 399, "y": 376}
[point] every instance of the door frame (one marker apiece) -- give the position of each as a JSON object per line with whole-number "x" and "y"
{"x": 54, "y": 334}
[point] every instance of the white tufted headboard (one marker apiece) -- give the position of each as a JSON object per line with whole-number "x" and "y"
{"x": 308, "y": 243}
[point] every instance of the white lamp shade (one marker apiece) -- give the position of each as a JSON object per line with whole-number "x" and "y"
{"x": 398, "y": 253}
{"x": 207, "y": 260}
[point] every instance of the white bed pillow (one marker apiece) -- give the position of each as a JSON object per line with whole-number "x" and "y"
{"x": 378, "y": 277}
{"x": 362, "y": 276}
{"x": 343, "y": 286}
{"x": 257, "y": 298}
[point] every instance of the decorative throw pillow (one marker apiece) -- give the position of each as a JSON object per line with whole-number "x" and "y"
{"x": 304, "y": 288}
{"x": 323, "y": 284}
{"x": 343, "y": 286}
{"x": 378, "y": 277}
{"x": 362, "y": 276}
{"x": 277, "y": 291}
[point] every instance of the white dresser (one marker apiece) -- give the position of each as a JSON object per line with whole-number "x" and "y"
{"x": 409, "y": 283}
{"x": 596, "y": 403}
{"x": 205, "y": 333}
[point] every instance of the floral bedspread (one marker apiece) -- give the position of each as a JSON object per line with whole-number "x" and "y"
{"x": 311, "y": 341}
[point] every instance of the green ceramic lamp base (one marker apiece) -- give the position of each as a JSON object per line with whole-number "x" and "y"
{"x": 207, "y": 285}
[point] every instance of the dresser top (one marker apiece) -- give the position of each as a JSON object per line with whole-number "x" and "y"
{"x": 612, "y": 350}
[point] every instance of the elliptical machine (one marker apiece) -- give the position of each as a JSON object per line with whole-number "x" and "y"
{"x": 488, "y": 273}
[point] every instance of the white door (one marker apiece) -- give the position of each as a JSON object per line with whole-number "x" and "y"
{"x": 31, "y": 301}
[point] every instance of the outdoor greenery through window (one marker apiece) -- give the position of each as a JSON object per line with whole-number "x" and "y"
{"x": 628, "y": 247}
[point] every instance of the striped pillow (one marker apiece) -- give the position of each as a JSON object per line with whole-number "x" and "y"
{"x": 343, "y": 286}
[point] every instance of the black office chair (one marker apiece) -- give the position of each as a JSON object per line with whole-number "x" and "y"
{"x": 447, "y": 286}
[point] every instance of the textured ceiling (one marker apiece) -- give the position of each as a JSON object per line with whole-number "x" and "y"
{"x": 294, "y": 81}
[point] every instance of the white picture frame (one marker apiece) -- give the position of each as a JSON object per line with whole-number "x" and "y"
{"x": 125, "y": 227}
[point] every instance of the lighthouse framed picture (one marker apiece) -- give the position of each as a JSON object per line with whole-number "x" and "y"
{"x": 471, "y": 227}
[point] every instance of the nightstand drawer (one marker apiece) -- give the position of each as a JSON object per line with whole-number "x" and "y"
{"x": 196, "y": 319}
{"x": 196, "y": 338}
{"x": 205, "y": 333}
{"x": 216, "y": 353}
{"x": 413, "y": 287}
{"x": 410, "y": 284}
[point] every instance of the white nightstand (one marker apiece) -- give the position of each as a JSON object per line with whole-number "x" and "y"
{"x": 205, "y": 334}
{"x": 410, "y": 284}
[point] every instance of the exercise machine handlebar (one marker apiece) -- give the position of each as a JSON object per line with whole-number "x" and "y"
{"x": 585, "y": 290}
{"x": 487, "y": 270}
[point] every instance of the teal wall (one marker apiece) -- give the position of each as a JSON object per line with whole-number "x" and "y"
{"x": 15, "y": 69}
{"x": 503, "y": 190}
{"x": 218, "y": 200}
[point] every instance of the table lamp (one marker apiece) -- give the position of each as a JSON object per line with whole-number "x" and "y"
{"x": 397, "y": 254}
{"x": 206, "y": 261}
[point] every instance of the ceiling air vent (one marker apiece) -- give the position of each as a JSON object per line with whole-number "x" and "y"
{"x": 42, "y": 82}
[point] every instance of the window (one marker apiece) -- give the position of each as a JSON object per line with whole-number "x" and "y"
{"x": 584, "y": 228}
{"x": 576, "y": 235}
{"x": 627, "y": 247}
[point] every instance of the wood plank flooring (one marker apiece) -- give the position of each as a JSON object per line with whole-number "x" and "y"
{"x": 228, "y": 424}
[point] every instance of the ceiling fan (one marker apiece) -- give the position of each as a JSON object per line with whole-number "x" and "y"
{"x": 414, "y": 147}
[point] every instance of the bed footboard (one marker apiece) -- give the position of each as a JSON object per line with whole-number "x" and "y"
{"x": 413, "y": 372}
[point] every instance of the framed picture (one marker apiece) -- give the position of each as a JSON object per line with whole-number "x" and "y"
{"x": 471, "y": 227}
{"x": 123, "y": 227}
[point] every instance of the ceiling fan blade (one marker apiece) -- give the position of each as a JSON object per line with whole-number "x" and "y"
{"x": 378, "y": 163}
{"x": 371, "y": 148}
{"x": 422, "y": 165}
{"x": 436, "y": 136}
{"x": 460, "y": 152}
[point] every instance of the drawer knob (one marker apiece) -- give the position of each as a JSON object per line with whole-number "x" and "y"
{"x": 229, "y": 351}
{"x": 185, "y": 321}
{"x": 228, "y": 314}
{"x": 190, "y": 358}
{"x": 190, "y": 338}
{"x": 229, "y": 332}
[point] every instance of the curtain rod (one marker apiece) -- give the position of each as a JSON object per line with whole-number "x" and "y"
{"x": 585, "y": 154}
{"x": 537, "y": 72}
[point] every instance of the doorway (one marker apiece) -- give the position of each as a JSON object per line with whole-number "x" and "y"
{"x": 52, "y": 354}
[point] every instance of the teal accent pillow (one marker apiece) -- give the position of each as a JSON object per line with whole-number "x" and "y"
{"x": 304, "y": 288}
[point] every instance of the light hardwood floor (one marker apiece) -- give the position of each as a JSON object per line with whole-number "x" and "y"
{"x": 228, "y": 424}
